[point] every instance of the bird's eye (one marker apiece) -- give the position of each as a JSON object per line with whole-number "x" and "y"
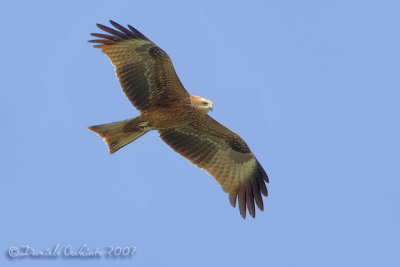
{"x": 204, "y": 103}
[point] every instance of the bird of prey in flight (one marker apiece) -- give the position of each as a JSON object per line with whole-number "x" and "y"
{"x": 149, "y": 81}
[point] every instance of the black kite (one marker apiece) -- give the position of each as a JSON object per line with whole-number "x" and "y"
{"x": 149, "y": 81}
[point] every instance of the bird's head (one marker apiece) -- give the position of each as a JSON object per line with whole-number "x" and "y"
{"x": 201, "y": 104}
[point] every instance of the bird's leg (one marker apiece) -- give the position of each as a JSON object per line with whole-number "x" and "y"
{"x": 145, "y": 126}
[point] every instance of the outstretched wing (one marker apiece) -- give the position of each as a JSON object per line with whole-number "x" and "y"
{"x": 226, "y": 157}
{"x": 144, "y": 70}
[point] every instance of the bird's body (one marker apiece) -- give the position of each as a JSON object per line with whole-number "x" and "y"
{"x": 148, "y": 79}
{"x": 174, "y": 113}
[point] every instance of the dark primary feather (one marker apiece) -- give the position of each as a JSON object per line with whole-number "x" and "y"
{"x": 225, "y": 156}
{"x": 105, "y": 36}
{"x": 144, "y": 70}
{"x": 115, "y": 35}
{"x": 123, "y": 29}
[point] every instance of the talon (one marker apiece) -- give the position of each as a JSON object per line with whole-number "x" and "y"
{"x": 145, "y": 126}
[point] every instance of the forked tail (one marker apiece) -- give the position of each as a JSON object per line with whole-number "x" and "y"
{"x": 118, "y": 134}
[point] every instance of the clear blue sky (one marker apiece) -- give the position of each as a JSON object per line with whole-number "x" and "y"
{"x": 312, "y": 86}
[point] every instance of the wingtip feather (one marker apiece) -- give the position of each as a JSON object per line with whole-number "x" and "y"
{"x": 232, "y": 198}
{"x": 250, "y": 202}
{"x": 242, "y": 202}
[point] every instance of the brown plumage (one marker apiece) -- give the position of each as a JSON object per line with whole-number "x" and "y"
{"x": 149, "y": 81}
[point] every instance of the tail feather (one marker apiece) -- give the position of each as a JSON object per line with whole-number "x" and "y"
{"x": 118, "y": 134}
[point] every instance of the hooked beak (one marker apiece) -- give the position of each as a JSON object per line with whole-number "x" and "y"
{"x": 212, "y": 107}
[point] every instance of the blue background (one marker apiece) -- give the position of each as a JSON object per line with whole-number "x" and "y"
{"x": 312, "y": 86}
